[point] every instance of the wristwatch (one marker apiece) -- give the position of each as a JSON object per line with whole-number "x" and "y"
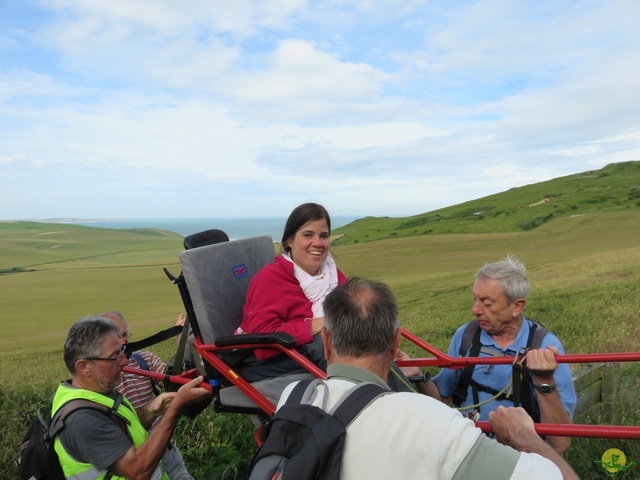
{"x": 545, "y": 388}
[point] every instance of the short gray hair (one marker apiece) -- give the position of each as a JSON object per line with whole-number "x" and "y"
{"x": 362, "y": 318}
{"x": 512, "y": 276}
{"x": 85, "y": 339}
{"x": 114, "y": 315}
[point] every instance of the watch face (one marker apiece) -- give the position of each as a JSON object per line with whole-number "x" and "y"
{"x": 545, "y": 389}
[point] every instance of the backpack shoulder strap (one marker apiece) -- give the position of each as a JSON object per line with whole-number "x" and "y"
{"x": 140, "y": 360}
{"x": 470, "y": 343}
{"x": 536, "y": 334}
{"x": 468, "y": 336}
{"x": 357, "y": 399}
{"x": 302, "y": 392}
{"x": 348, "y": 408}
{"x": 57, "y": 422}
{"x": 145, "y": 366}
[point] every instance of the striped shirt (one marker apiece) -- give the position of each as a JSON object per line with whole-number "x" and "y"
{"x": 136, "y": 388}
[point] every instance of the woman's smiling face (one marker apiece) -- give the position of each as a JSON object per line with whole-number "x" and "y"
{"x": 310, "y": 246}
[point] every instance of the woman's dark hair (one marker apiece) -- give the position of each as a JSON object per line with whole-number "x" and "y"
{"x": 299, "y": 217}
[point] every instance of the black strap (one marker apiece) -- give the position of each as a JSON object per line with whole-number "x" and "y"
{"x": 478, "y": 387}
{"x": 357, "y": 401}
{"x": 75, "y": 404}
{"x": 57, "y": 422}
{"x": 295, "y": 397}
{"x": 462, "y": 388}
{"x": 536, "y": 334}
{"x": 350, "y": 406}
{"x": 153, "y": 339}
{"x": 516, "y": 383}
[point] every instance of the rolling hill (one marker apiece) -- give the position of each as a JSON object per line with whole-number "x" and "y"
{"x": 614, "y": 187}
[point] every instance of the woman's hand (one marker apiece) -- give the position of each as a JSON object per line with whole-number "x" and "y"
{"x": 316, "y": 325}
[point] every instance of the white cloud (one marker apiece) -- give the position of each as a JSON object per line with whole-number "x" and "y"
{"x": 238, "y": 17}
{"x": 115, "y": 109}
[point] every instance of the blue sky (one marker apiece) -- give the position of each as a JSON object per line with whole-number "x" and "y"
{"x": 223, "y": 108}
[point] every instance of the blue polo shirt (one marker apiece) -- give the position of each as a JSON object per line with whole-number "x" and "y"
{"x": 499, "y": 376}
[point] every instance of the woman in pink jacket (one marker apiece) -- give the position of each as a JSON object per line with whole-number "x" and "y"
{"x": 287, "y": 295}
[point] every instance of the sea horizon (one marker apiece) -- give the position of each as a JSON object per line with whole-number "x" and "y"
{"x": 235, "y": 227}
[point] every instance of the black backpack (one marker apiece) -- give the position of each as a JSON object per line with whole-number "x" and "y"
{"x": 38, "y": 459}
{"x": 304, "y": 442}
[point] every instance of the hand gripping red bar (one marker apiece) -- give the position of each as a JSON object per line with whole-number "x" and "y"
{"x": 574, "y": 430}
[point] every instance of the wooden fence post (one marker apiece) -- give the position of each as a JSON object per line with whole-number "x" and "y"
{"x": 597, "y": 389}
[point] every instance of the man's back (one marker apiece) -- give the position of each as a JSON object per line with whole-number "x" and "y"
{"x": 407, "y": 435}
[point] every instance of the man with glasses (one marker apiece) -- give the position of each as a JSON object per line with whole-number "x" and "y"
{"x": 93, "y": 444}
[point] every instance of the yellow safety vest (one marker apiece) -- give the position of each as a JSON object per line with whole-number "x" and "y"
{"x": 75, "y": 470}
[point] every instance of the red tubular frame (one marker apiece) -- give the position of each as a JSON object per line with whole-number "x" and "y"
{"x": 182, "y": 379}
{"x": 445, "y": 361}
{"x": 207, "y": 351}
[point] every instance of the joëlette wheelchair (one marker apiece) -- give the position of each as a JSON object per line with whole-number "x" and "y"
{"x": 213, "y": 284}
{"x": 215, "y": 276}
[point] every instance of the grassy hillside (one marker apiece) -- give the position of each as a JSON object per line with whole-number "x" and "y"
{"x": 612, "y": 188}
{"x": 47, "y": 246}
{"x": 51, "y": 275}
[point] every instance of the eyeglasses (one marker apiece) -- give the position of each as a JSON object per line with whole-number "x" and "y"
{"x": 110, "y": 359}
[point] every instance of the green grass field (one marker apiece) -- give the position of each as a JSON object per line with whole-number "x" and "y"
{"x": 585, "y": 271}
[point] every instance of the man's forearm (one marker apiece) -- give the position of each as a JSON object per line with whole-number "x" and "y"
{"x": 431, "y": 389}
{"x": 534, "y": 444}
{"x": 552, "y": 411}
{"x": 140, "y": 463}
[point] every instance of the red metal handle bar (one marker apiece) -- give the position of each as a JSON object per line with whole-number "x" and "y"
{"x": 208, "y": 355}
{"x": 443, "y": 360}
{"x": 573, "y": 430}
{"x": 182, "y": 380}
{"x": 294, "y": 354}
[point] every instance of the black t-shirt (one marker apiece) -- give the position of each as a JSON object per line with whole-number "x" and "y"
{"x": 90, "y": 436}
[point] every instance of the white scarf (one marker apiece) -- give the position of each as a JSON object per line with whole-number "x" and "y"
{"x": 317, "y": 287}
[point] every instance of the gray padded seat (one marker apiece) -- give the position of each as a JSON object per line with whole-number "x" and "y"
{"x": 218, "y": 277}
{"x": 271, "y": 388}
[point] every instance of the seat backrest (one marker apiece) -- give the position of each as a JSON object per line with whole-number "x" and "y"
{"x": 218, "y": 276}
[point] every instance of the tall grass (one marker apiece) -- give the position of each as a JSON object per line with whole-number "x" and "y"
{"x": 585, "y": 273}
